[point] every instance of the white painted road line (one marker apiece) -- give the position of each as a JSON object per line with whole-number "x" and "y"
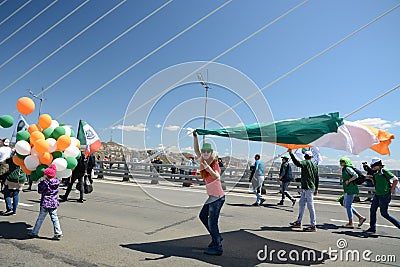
{"x": 19, "y": 203}
{"x": 379, "y": 225}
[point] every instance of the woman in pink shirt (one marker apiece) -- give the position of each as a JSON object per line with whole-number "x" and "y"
{"x": 209, "y": 214}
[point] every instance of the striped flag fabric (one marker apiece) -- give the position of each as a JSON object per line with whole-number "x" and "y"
{"x": 88, "y": 137}
{"x": 21, "y": 125}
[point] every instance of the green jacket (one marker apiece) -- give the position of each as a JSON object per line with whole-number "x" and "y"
{"x": 309, "y": 173}
{"x": 351, "y": 188}
{"x": 382, "y": 182}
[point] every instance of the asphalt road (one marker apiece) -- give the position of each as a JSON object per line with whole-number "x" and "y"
{"x": 123, "y": 224}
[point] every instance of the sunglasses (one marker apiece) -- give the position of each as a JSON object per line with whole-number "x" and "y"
{"x": 206, "y": 151}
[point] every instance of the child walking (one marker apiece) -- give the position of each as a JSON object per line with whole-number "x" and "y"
{"x": 48, "y": 187}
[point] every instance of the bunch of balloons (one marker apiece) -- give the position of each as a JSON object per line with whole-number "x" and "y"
{"x": 45, "y": 143}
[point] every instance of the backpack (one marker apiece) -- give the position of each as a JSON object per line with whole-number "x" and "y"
{"x": 361, "y": 177}
{"x": 397, "y": 189}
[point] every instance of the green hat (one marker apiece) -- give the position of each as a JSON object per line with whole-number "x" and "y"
{"x": 207, "y": 146}
{"x": 347, "y": 161}
{"x": 285, "y": 157}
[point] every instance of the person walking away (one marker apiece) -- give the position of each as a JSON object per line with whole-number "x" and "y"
{"x": 209, "y": 214}
{"x": 385, "y": 184}
{"x": 257, "y": 179}
{"x": 309, "y": 186}
{"x": 350, "y": 191}
{"x": 14, "y": 183}
{"x": 91, "y": 163}
{"x": 77, "y": 174}
{"x": 285, "y": 177}
{"x": 48, "y": 187}
{"x": 5, "y": 153}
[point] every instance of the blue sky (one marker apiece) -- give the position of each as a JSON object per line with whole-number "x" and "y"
{"x": 345, "y": 78}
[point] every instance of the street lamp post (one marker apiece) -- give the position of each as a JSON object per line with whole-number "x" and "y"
{"x": 205, "y": 85}
{"x": 41, "y": 98}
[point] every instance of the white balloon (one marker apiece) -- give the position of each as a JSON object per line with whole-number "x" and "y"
{"x": 74, "y": 141}
{"x": 23, "y": 148}
{"x": 67, "y": 130}
{"x": 52, "y": 144}
{"x": 71, "y": 151}
{"x": 54, "y": 124}
{"x": 31, "y": 162}
{"x": 64, "y": 174}
{"x": 34, "y": 152}
{"x": 61, "y": 164}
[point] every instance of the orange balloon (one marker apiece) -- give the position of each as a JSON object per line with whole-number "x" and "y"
{"x": 36, "y": 136}
{"x": 25, "y": 105}
{"x": 18, "y": 161}
{"x": 45, "y": 121}
{"x": 63, "y": 142}
{"x": 25, "y": 170}
{"x": 46, "y": 158}
{"x": 41, "y": 146}
{"x": 33, "y": 128}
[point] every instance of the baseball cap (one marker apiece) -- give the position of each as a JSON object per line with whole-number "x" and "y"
{"x": 308, "y": 153}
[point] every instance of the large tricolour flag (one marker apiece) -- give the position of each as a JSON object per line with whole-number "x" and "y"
{"x": 88, "y": 137}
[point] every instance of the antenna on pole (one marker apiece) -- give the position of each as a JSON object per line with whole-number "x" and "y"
{"x": 206, "y": 86}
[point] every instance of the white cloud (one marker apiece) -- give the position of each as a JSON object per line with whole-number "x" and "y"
{"x": 379, "y": 123}
{"x": 172, "y": 128}
{"x": 141, "y": 127}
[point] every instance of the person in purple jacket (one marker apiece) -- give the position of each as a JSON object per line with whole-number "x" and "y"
{"x": 48, "y": 187}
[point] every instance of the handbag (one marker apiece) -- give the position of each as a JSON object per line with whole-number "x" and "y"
{"x": 87, "y": 186}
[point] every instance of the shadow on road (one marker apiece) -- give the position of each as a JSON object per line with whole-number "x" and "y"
{"x": 356, "y": 234}
{"x": 16, "y": 230}
{"x": 240, "y": 249}
{"x": 272, "y": 206}
{"x": 328, "y": 226}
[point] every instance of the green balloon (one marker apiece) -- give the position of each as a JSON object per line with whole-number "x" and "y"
{"x": 21, "y": 156}
{"x": 72, "y": 133}
{"x": 71, "y": 163}
{"x": 57, "y": 154}
{"x": 47, "y": 133}
{"x": 40, "y": 170}
{"x": 34, "y": 176}
{"x": 23, "y": 135}
{"x": 58, "y": 132}
{"x": 6, "y": 121}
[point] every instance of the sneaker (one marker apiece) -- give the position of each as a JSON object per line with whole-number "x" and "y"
{"x": 370, "y": 231}
{"x": 262, "y": 201}
{"x": 361, "y": 222}
{"x": 30, "y": 234}
{"x": 310, "y": 229}
{"x": 212, "y": 244}
{"x": 57, "y": 237}
{"x": 255, "y": 204}
{"x": 63, "y": 198}
{"x": 6, "y": 213}
{"x": 296, "y": 224}
{"x": 280, "y": 203}
{"x": 213, "y": 252}
{"x": 80, "y": 200}
{"x": 293, "y": 202}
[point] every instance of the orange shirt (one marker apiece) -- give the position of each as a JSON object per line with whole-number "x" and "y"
{"x": 213, "y": 186}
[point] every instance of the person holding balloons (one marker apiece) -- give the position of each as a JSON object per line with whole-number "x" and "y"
{"x": 5, "y": 153}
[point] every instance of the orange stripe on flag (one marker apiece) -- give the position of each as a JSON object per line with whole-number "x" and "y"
{"x": 385, "y": 139}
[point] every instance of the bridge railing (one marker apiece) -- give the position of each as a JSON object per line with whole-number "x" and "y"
{"x": 237, "y": 178}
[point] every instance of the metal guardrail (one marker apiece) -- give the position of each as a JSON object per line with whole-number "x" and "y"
{"x": 231, "y": 177}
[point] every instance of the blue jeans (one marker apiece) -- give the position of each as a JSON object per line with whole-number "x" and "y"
{"x": 307, "y": 197}
{"x": 54, "y": 218}
{"x": 382, "y": 202}
{"x": 347, "y": 203}
{"x": 257, "y": 192}
{"x": 209, "y": 216}
{"x": 284, "y": 187}
{"x": 8, "y": 194}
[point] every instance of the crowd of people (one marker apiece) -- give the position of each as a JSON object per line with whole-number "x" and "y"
{"x": 13, "y": 180}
